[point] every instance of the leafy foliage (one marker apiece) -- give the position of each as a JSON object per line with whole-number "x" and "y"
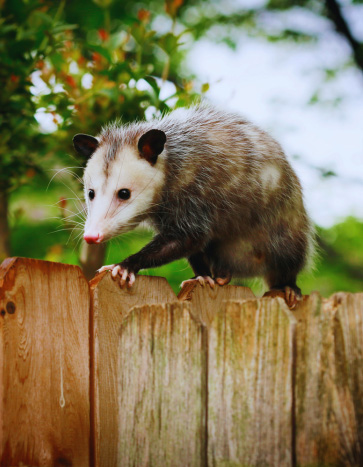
{"x": 89, "y": 69}
{"x": 27, "y": 33}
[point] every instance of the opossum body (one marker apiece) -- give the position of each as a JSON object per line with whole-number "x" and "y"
{"x": 217, "y": 189}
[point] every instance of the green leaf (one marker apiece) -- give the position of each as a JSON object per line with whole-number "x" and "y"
{"x": 153, "y": 83}
{"x": 102, "y": 51}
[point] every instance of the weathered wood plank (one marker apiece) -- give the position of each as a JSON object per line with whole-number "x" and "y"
{"x": 250, "y": 384}
{"x": 317, "y": 431}
{"x": 44, "y": 364}
{"x": 162, "y": 380}
{"x": 206, "y": 302}
{"x": 348, "y": 336}
{"x": 329, "y": 390}
{"x": 110, "y": 306}
{"x": 329, "y": 380}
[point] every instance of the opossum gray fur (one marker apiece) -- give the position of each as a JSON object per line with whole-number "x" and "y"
{"x": 217, "y": 189}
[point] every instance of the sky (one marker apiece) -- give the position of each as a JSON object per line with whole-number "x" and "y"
{"x": 272, "y": 83}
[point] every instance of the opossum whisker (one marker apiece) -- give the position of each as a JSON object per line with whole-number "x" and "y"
{"x": 73, "y": 214}
{"x": 77, "y": 198}
{"x": 78, "y": 241}
{"x": 79, "y": 225}
{"x": 69, "y": 220}
{"x": 73, "y": 174}
{"x": 79, "y": 212}
{"x": 58, "y": 171}
{"x": 70, "y": 226}
{"x": 56, "y": 205}
{"x": 72, "y": 219}
{"x": 75, "y": 228}
{"x": 62, "y": 230}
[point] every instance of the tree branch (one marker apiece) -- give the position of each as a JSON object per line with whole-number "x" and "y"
{"x": 336, "y": 15}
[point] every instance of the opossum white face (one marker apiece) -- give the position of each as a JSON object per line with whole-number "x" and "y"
{"x": 121, "y": 184}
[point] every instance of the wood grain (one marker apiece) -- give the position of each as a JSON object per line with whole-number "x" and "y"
{"x": 317, "y": 431}
{"x": 162, "y": 397}
{"x": 348, "y": 336}
{"x": 250, "y": 381}
{"x": 206, "y": 302}
{"x": 329, "y": 376}
{"x": 110, "y": 306}
{"x": 44, "y": 364}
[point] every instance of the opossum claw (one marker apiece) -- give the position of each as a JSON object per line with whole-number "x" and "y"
{"x": 132, "y": 279}
{"x": 202, "y": 280}
{"x": 290, "y": 295}
{"x": 126, "y": 277}
{"x": 106, "y": 268}
{"x": 210, "y": 281}
{"x": 115, "y": 271}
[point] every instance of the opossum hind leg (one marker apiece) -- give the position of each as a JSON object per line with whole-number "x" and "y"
{"x": 200, "y": 265}
{"x": 283, "y": 278}
{"x": 223, "y": 279}
{"x": 291, "y": 294}
{"x": 221, "y": 276}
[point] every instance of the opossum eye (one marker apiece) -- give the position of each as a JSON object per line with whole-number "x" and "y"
{"x": 123, "y": 194}
{"x": 91, "y": 194}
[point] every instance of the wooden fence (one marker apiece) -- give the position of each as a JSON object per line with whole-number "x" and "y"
{"x": 92, "y": 375}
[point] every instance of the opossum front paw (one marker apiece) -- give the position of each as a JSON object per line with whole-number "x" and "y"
{"x": 127, "y": 278}
{"x": 118, "y": 272}
{"x": 202, "y": 280}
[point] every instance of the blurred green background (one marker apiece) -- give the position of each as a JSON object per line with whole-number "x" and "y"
{"x": 70, "y": 67}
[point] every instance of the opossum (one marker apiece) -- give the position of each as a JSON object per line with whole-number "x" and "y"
{"x": 217, "y": 189}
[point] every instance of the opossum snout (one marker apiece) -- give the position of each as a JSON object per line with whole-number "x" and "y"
{"x": 93, "y": 238}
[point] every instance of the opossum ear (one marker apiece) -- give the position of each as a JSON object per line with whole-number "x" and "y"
{"x": 85, "y": 144}
{"x": 151, "y": 144}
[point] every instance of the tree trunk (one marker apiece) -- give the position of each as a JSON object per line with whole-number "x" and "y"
{"x": 4, "y": 226}
{"x": 92, "y": 258}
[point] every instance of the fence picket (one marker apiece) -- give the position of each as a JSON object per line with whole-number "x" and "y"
{"x": 348, "y": 332}
{"x": 250, "y": 397}
{"x": 110, "y": 306}
{"x": 44, "y": 364}
{"x": 162, "y": 388}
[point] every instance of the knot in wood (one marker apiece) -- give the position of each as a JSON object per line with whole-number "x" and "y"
{"x": 10, "y": 308}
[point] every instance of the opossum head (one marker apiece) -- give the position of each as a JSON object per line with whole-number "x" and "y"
{"x": 122, "y": 182}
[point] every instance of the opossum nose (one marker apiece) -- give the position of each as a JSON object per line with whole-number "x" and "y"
{"x": 93, "y": 238}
